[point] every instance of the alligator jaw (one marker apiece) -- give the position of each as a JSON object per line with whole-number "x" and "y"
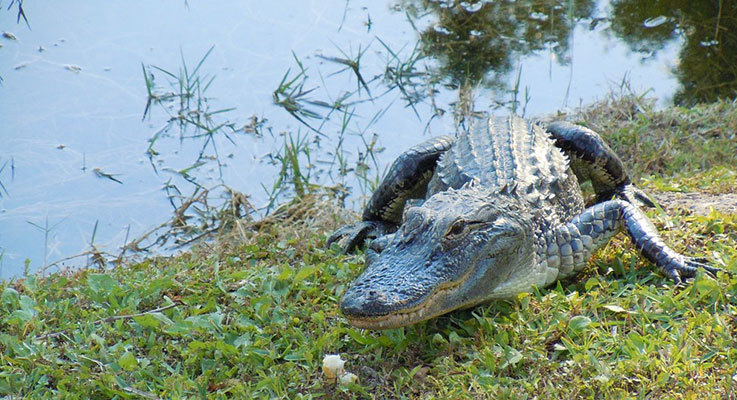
{"x": 421, "y": 312}
{"x": 401, "y": 318}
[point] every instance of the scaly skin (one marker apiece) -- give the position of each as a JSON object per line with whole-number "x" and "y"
{"x": 502, "y": 213}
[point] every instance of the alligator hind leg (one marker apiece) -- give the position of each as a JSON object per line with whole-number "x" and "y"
{"x": 592, "y": 159}
{"x": 407, "y": 179}
{"x": 569, "y": 246}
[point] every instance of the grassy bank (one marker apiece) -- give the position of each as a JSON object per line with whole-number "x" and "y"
{"x": 253, "y": 315}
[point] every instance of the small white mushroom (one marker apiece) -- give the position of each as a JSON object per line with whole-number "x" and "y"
{"x": 347, "y": 378}
{"x": 332, "y": 366}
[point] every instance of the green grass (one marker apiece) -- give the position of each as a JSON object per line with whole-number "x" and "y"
{"x": 252, "y": 315}
{"x": 254, "y": 320}
{"x": 717, "y": 180}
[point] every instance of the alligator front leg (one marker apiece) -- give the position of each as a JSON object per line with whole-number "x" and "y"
{"x": 592, "y": 159}
{"x": 407, "y": 179}
{"x": 568, "y": 247}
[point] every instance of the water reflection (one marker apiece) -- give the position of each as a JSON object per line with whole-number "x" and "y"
{"x": 707, "y": 70}
{"x": 478, "y": 42}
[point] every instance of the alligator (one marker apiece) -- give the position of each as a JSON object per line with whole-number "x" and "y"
{"x": 491, "y": 212}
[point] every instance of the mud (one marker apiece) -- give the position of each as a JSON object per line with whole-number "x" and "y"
{"x": 698, "y": 203}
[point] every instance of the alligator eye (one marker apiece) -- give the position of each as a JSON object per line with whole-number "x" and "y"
{"x": 457, "y": 229}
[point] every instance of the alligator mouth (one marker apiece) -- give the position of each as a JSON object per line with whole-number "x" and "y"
{"x": 418, "y": 313}
{"x": 409, "y": 316}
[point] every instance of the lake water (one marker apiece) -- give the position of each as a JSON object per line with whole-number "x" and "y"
{"x": 73, "y": 94}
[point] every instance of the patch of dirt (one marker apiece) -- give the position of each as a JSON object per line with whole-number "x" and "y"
{"x": 698, "y": 203}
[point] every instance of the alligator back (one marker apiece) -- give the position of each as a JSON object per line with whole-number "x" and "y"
{"x": 512, "y": 156}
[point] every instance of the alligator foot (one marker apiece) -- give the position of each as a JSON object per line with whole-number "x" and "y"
{"x": 351, "y": 236}
{"x": 645, "y": 236}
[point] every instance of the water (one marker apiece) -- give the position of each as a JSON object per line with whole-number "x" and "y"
{"x": 73, "y": 94}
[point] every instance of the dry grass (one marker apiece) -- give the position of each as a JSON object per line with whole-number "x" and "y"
{"x": 664, "y": 142}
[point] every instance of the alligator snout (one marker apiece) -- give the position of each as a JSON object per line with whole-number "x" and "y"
{"x": 377, "y": 309}
{"x": 363, "y": 304}
{"x": 392, "y": 291}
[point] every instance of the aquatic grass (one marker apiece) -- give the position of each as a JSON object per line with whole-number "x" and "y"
{"x": 188, "y": 108}
{"x": 337, "y": 124}
{"x": 367, "y": 165}
{"x": 515, "y": 103}
{"x": 185, "y": 101}
{"x": 104, "y": 175}
{"x": 290, "y": 94}
{"x": 352, "y": 64}
{"x": 402, "y": 73}
{"x": 46, "y": 229}
{"x": 20, "y": 14}
{"x": 186, "y": 104}
{"x": 95, "y": 256}
{"x": 3, "y": 189}
{"x": 20, "y": 11}
{"x": 294, "y": 155}
{"x": 365, "y": 168}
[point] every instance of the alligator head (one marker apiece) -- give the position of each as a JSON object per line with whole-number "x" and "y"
{"x": 448, "y": 254}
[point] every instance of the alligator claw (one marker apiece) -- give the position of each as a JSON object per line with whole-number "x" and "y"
{"x": 351, "y": 236}
{"x": 687, "y": 267}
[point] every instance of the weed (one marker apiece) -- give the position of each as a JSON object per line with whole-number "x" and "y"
{"x": 514, "y": 102}
{"x": 293, "y": 155}
{"x": 20, "y": 14}
{"x": 46, "y": 229}
{"x": 20, "y": 11}
{"x": 104, "y": 175}
{"x": 402, "y": 74}
{"x": 3, "y": 189}
{"x": 353, "y": 64}
{"x": 290, "y": 94}
{"x": 189, "y": 110}
{"x": 187, "y": 105}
